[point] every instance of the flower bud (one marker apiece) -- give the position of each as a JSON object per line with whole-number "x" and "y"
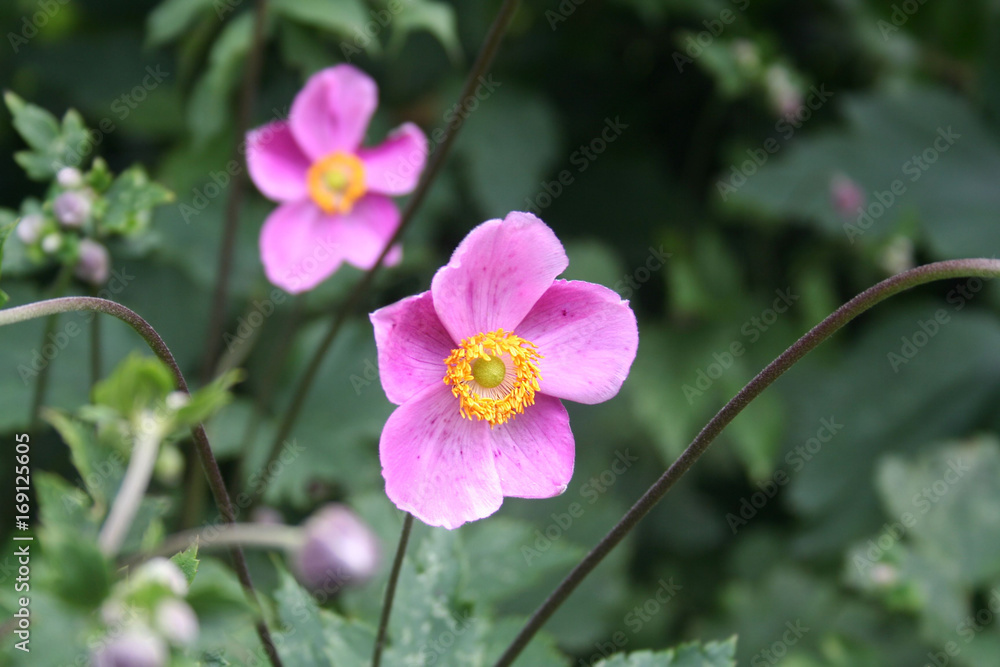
{"x": 134, "y": 648}
{"x": 72, "y": 208}
{"x": 784, "y": 94}
{"x": 846, "y": 196}
{"x": 93, "y": 263}
{"x": 177, "y": 622}
{"x": 69, "y": 177}
{"x": 338, "y": 550}
{"x": 268, "y": 515}
{"x": 163, "y": 572}
{"x": 51, "y": 243}
{"x": 30, "y": 228}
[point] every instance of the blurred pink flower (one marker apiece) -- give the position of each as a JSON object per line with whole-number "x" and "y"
{"x": 478, "y": 365}
{"x": 334, "y": 194}
{"x": 846, "y": 196}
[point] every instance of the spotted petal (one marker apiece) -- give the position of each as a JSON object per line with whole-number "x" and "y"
{"x": 437, "y": 465}
{"x": 587, "y": 337}
{"x": 497, "y": 274}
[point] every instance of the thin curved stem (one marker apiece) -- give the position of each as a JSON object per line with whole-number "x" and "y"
{"x": 390, "y": 589}
{"x": 466, "y": 98}
{"x": 88, "y": 303}
{"x": 959, "y": 268}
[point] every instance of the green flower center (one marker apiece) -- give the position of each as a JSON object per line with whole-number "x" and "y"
{"x": 489, "y": 373}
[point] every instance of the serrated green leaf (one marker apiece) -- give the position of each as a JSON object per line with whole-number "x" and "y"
{"x": 694, "y": 654}
{"x": 130, "y": 201}
{"x": 187, "y": 561}
{"x": 209, "y": 399}
{"x": 138, "y": 382}
{"x": 37, "y": 127}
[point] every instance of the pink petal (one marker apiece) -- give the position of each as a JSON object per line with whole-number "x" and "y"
{"x": 412, "y": 345}
{"x": 497, "y": 274}
{"x": 437, "y": 465}
{"x": 332, "y": 111}
{"x": 363, "y": 233}
{"x": 587, "y": 337}
{"x": 394, "y": 166}
{"x": 276, "y": 164}
{"x": 534, "y": 451}
{"x": 298, "y": 247}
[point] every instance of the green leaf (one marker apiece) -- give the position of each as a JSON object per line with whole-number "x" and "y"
{"x": 130, "y": 201}
{"x": 8, "y": 221}
{"x": 209, "y": 399}
{"x": 137, "y": 383}
{"x": 314, "y": 637}
{"x": 37, "y": 127}
{"x": 949, "y": 192}
{"x": 172, "y": 17}
{"x": 100, "y": 470}
{"x": 340, "y": 17}
{"x": 693, "y": 654}
{"x": 437, "y": 18}
{"x": 208, "y": 111}
{"x": 187, "y": 561}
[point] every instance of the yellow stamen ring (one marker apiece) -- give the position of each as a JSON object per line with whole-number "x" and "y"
{"x": 336, "y": 181}
{"x": 494, "y": 376}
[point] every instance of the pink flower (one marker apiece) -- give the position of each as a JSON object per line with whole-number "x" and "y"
{"x": 334, "y": 195}
{"x": 478, "y": 365}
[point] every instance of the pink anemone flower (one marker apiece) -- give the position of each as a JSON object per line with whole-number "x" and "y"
{"x": 334, "y": 194}
{"x": 478, "y": 365}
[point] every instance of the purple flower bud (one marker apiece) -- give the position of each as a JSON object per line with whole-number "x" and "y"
{"x": 846, "y": 196}
{"x": 177, "y": 622}
{"x": 72, "y": 208}
{"x": 134, "y": 648}
{"x": 93, "y": 264}
{"x": 339, "y": 550}
{"x": 268, "y": 515}
{"x": 29, "y": 229}
{"x": 69, "y": 177}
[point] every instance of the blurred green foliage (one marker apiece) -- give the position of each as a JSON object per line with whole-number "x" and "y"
{"x": 714, "y": 197}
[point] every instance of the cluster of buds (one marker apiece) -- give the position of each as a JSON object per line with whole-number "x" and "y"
{"x": 145, "y": 617}
{"x": 63, "y": 227}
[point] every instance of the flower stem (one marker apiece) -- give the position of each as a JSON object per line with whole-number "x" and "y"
{"x": 133, "y": 488}
{"x": 237, "y": 192}
{"x": 959, "y": 268}
{"x": 259, "y": 535}
{"x": 390, "y": 589}
{"x": 42, "y": 384}
{"x": 88, "y": 303}
{"x": 485, "y": 58}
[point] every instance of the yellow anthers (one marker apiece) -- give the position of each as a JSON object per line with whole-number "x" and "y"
{"x": 336, "y": 181}
{"x": 494, "y": 375}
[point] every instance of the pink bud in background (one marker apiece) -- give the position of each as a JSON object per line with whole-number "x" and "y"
{"x": 134, "y": 648}
{"x": 72, "y": 208}
{"x": 177, "y": 622}
{"x": 846, "y": 196}
{"x": 339, "y": 550}
{"x": 29, "y": 229}
{"x": 94, "y": 263}
{"x": 69, "y": 177}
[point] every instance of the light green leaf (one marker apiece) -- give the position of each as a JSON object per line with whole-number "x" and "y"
{"x": 172, "y": 17}
{"x": 340, "y": 17}
{"x": 130, "y": 201}
{"x": 187, "y": 561}
{"x": 433, "y": 16}
{"x": 208, "y": 110}
{"x": 693, "y": 654}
